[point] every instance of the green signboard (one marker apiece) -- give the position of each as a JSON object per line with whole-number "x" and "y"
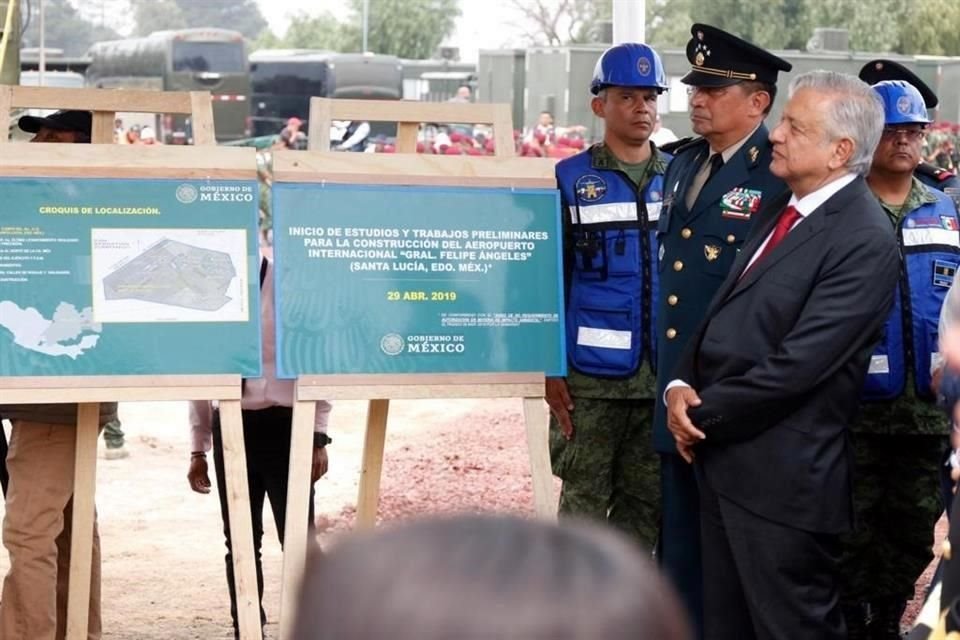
{"x": 394, "y": 279}
{"x": 128, "y": 277}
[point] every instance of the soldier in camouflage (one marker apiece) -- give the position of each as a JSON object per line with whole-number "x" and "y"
{"x": 602, "y": 411}
{"x": 900, "y": 434}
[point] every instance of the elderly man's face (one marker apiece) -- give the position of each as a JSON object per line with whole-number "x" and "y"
{"x": 803, "y": 154}
{"x": 716, "y": 111}
{"x": 47, "y": 134}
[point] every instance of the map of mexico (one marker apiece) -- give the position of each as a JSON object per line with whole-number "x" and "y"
{"x": 70, "y": 333}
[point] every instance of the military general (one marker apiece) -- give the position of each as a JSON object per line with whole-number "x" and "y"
{"x": 713, "y": 189}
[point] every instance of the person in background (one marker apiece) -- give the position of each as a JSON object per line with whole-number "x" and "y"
{"x": 148, "y": 136}
{"x": 267, "y": 421}
{"x": 661, "y": 134}
{"x": 113, "y": 438}
{"x": 482, "y": 577}
{"x": 464, "y": 94}
{"x": 899, "y": 435}
{"x": 40, "y": 463}
{"x": 349, "y": 135}
{"x": 879, "y": 70}
{"x": 291, "y": 137}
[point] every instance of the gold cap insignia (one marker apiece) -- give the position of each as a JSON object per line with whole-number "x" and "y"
{"x": 699, "y": 59}
{"x": 711, "y": 252}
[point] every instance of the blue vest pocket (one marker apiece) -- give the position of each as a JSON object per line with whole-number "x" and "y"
{"x": 604, "y": 339}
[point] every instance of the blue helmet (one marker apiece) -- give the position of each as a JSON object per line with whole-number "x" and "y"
{"x": 902, "y": 103}
{"x": 628, "y": 65}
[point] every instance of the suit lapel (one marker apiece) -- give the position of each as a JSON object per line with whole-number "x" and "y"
{"x": 805, "y": 231}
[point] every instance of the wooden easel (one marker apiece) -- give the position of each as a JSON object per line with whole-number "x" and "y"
{"x": 504, "y": 170}
{"x": 100, "y": 161}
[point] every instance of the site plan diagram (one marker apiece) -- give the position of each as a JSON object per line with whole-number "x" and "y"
{"x": 169, "y": 275}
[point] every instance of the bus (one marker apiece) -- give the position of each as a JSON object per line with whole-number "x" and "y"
{"x": 284, "y": 80}
{"x": 211, "y": 60}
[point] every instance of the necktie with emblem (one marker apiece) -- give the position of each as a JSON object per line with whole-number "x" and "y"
{"x": 786, "y": 221}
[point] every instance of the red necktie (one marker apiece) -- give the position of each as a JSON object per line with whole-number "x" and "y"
{"x": 787, "y": 219}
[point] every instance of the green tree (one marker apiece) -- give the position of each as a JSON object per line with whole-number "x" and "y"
{"x": 321, "y": 31}
{"x": 772, "y": 24}
{"x": 668, "y": 22}
{"x": 239, "y": 15}
{"x": 405, "y": 28}
{"x": 157, "y": 15}
{"x": 874, "y": 25}
{"x": 64, "y": 29}
{"x": 931, "y": 28}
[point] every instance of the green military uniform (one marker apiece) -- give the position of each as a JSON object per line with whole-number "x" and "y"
{"x": 609, "y": 469}
{"x": 897, "y": 445}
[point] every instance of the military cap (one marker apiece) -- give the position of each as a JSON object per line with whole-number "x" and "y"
{"x": 879, "y": 70}
{"x": 721, "y": 59}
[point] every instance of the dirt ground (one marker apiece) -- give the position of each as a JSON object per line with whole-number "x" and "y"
{"x": 162, "y": 544}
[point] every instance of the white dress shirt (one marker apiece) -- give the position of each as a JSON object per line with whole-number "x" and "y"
{"x": 258, "y": 393}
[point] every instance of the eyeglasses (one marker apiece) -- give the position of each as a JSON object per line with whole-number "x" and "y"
{"x": 912, "y": 135}
{"x": 710, "y": 92}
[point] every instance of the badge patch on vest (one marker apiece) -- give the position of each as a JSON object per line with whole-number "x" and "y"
{"x": 943, "y": 273}
{"x": 711, "y": 252}
{"x": 740, "y": 203}
{"x": 590, "y": 188}
{"x": 924, "y": 222}
{"x": 949, "y": 223}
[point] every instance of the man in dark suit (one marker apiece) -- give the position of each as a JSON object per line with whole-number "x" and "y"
{"x": 765, "y": 390}
{"x": 713, "y": 190}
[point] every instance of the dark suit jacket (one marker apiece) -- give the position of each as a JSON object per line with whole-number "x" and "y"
{"x": 781, "y": 356}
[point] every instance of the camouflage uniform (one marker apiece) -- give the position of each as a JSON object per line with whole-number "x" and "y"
{"x": 609, "y": 469}
{"x": 897, "y": 447}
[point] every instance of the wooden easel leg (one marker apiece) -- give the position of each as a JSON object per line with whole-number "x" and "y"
{"x": 295, "y": 535}
{"x": 538, "y": 444}
{"x": 81, "y": 541}
{"x": 369, "y": 495}
{"x": 241, "y": 526}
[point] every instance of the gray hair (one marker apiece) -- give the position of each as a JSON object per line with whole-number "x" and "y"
{"x": 855, "y": 112}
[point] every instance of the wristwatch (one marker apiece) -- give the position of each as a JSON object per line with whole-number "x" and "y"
{"x": 320, "y": 439}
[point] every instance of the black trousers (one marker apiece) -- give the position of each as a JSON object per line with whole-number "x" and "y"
{"x": 764, "y": 580}
{"x": 266, "y": 438}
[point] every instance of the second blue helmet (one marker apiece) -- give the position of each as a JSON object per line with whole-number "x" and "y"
{"x": 902, "y": 103}
{"x": 628, "y": 65}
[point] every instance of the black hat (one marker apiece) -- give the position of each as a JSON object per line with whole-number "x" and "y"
{"x": 879, "y": 70}
{"x": 720, "y": 59}
{"x": 79, "y": 121}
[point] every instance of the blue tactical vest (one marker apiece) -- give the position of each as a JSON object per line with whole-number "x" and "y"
{"x": 929, "y": 239}
{"x": 610, "y": 267}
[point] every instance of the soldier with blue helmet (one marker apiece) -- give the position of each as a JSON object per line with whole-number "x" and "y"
{"x": 714, "y": 188}
{"x": 900, "y": 433}
{"x": 611, "y": 196}
{"x": 879, "y": 70}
